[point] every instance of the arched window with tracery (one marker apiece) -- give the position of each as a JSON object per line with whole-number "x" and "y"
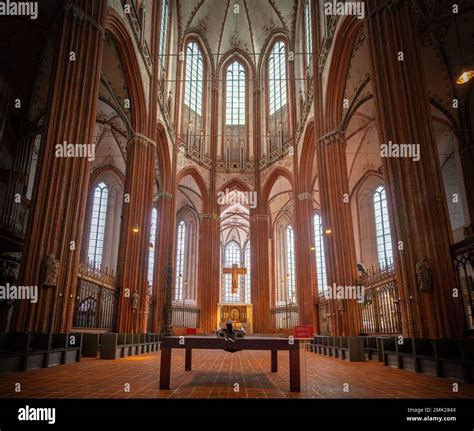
{"x": 152, "y": 246}
{"x": 235, "y": 133}
{"x": 164, "y": 33}
{"x": 247, "y": 275}
{"x": 277, "y": 133}
{"x": 290, "y": 265}
{"x": 382, "y": 228}
{"x": 320, "y": 255}
{"x": 193, "y": 116}
{"x": 308, "y": 33}
{"x": 180, "y": 256}
{"x": 232, "y": 256}
{"x": 98, "y": 221}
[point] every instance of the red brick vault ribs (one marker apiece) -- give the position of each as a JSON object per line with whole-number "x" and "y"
{"x": 216, "y": 372}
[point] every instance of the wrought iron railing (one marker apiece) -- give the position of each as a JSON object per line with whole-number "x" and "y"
{"x": 185, "y": 315}
{"x": 96, "y": 299}
{"x": 463, "y": 260}
{"x": 285, "y": 316}
{"x": 380, "y": 311}
{"x": 276, "y": 153}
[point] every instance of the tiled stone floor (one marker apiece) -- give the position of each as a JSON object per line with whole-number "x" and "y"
{"x": 216, "y": 373}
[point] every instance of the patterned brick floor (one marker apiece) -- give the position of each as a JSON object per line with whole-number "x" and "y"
{"x": 218, "y": 374}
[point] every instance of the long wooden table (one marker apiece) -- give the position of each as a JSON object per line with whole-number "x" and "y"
{"x": 252, "y": 343}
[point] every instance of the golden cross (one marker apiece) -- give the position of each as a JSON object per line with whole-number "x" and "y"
{"x": 235, "y": 271}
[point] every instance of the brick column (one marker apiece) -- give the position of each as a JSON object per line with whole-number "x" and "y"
{"x": 135, "y": 235}
{"x": 58, "y": 207}
{"x": 415, "y": 189}
{"x": 343, "y": 315}
{"x": 305, "y": 257}
{"x": 166, "y": 235}
{"x": 209, "y": 266}
{"x": 260, "y": 275}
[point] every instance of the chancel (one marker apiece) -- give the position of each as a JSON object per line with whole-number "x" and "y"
{"x": 297, "y": 170}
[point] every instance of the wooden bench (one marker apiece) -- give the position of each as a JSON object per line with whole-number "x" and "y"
{"x": 13, "y": 348}
{"x": 195, "y": 342}
{"x": 389, "y": 351}
{"x": 450, "y": 354}
{"x": 110, "y": 348}
{"x": 56, "y": 354}
{"x": 37, "y": 353}
{"x": 372, "y": 348}
{"x": 425, "y": 357}
{"x": 91, "y": 344}
{"x": 406, "y": 354}
{"x": 74, "y": 347}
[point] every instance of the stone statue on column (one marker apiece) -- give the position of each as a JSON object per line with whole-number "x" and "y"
{"x": 170, "y": 102}
{"x": 51, "y": 270}
{"x": 301, "y": 102}
{"x": 423, "y": 273}
{"x": 135, "y": 298}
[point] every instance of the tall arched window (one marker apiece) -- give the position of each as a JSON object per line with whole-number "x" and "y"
{"x": 290, "y": 265}
{"x": 308, "y": 34}
{"x": 193, "y": 94}
{"x": 235, "y": 95}
{"x": 151, "y": 254}
{"x": 382, "y": 228}
{"x": 99, "y": 217}
{"x": 247, "y": 276}
{"x": 232, "y": 256}
{"x": 277, "y": 96}
{"x": 277, "y": 77}
{"x": 180, "y": 253}
{"x": 320, "y": 257}
{"x": 164, "y": 34}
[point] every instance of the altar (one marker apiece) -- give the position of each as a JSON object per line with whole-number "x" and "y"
{"x": 240, "y": 314}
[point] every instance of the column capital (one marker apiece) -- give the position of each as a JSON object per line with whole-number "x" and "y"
{"x": 165, "y": 195}
{"x": 333, "y": 137}
{"x": 211, "y": 216}
{"x": 259, "y": 217}
{"x": 138, "y": 139}
{"x": 305, "y": 196}
{"x": 78, "y": 14}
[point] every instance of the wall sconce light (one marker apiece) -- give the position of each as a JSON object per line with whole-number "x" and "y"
{"x": 465, "y": 77}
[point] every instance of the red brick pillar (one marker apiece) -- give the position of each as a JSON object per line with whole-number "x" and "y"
{"x": 209, "y": 275}
{"x": 58, "y": 207}
{"x": 260, "y": 275}
{"x": 166, "y": 234}
{"x": 343, "y": 315}
{"x": 415, "y": 188}
{"x": 135, "y": 234}
{"x": 305, "y": 257}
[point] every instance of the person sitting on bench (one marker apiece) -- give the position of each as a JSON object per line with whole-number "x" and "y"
{"x": 229, "y": 331}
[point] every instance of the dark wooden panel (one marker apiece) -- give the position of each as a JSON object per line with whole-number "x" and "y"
{"x": 255, "y": 343}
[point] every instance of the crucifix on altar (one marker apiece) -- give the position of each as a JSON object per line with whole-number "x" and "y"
{"x": 235, "y": 271}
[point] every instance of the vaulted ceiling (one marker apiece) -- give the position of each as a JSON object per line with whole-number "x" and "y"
{"x": 243, "y": 24}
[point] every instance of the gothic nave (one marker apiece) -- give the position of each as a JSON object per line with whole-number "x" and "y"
{"x": 243, "y": 176}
